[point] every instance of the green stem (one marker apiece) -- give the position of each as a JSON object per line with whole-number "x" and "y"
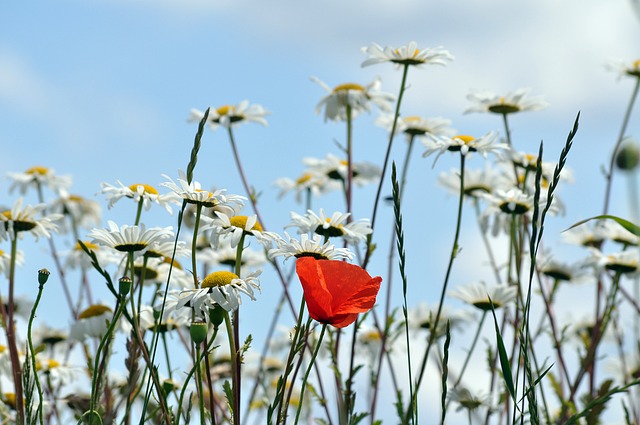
{"x": 349, "y": 191}
{"x": 235, "y": 377}
{"x": 139, "y": 211}
{"x": 385, "y": 163}
{"x": 194, "y": 246}
{"x": 473, "y": 346}
{"x": 236, "y": 335}
{"x": 32, "y": 353}
{"x": 454, "y": 253}
{"x": 11, "y": 335}
{"x": 197, "y": 362}
{"x": 308, "y": 371}
{"x": 623, "y": 130}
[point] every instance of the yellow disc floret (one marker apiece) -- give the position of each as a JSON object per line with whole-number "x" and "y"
{"x": 220, "y": 278}
{"x": 93, "y": 311}
{"x": 39, "y": 170}
{"x": 240, "y": 221}
{"x": 147, "y": 188}
{"x": 348, "y": 86}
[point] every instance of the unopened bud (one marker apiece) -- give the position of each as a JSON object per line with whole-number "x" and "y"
{"x": 216, "y": 315}
{"x": 43, "y": 276}
{"x": 124, "y": 286}
{"x": 628, "y": 156}
{"x": 198, "y": 331}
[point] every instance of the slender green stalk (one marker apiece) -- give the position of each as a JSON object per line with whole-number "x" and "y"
{"x": 623, "y": 130}
{"x": 199, "y": 380}
{"x": 387, "y": 155}
{"x": 194, "y": 246}
{"x": 308, "y": 371}
{"x": 453, "y": 255}
{"x": 235, "y": 378}
{"x": 473, "y": 346}
{"x": 349, "y": 188}
{"x": 237, "y": 387}
{"x": 32, "y": 352}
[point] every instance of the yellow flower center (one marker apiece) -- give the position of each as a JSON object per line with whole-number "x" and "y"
{"x": 240, "y": 221}
{"x": 412, "y": 119}
{"x": 636, "y": 64}
{"x": 18, "y": 225}
{"x": 147, "y": 188}
{"x": 225, "y": 110}
{"x": 89, "y": 245}
{"x": 7, "y": 214}
{"x": 465, "y": 139}
{"x": 1, "y": 254}
{"x": 303, "y": 178}
{"x": 93, "y": 311}
{"x": 3, "y": 348}
{"x": 38, "y": 170}
{"x": 76, "y": 198}
{"x": 48, "y": 364}
{"x": 220, "y": 278}
{"x": 10, "y": 399}
{"x": 176, "y": 263}
{"x": 348, "y": 86}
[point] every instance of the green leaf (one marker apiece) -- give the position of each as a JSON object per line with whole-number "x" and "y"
{"x": 633, "y": 228}
{"x": 504, "y": 358}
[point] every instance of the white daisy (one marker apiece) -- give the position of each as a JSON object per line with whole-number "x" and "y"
{"x": 221, "y": 288}
{"x": 418, "y": 126}
{"x": 422, "y": 317}
{"x": 92, "y": 322}
{"x": 138, "y": 192}
{"x": 358, "y": 98}
{"x": 516, "y": 101}
{"x": 406, "y": 55}
{"x": 225, "y": 255}
{"x": 336, "y": 170}
{"x": 233, "y": 228}
{"x": 82, "y": 212}
{"x": 615, "y": 232}
{"x": 38, "y": 177}
{"x": 625, "y": 262}
{"x": 589, "y": 235}
{"x": 5, "y": 260}
{"x": 129, "y": 238}
{"x": 309, "y": 182}
{"x": 313, "y": 247}
{"x": 563, "y": 272}
{"x": 194, "y": 194}
{"x": 624, "y": 68}
{"x": 476, "y": 181}
{"x": 19, "y": 219}
{"x": 232, "y": 115}
{"x": 481, "y": 296}
{"x": 465, "y": 145}
{"x": 336, "y": 225}
{"x": 77, "y": 258}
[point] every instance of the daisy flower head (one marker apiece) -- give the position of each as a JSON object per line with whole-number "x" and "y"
{"x": 82, "y": 211}
{"x": 466, "y": 400}
{"x": 464, "y": 144}
{"x": 36, "y": 177}
{"x": 23, "y": 219}
{"x": 558, "y": 271}
{"x": 624, "y": 68}
{"x": 482, "y": 296}
{"x": 587, "y": 235}
{"x": 129, "y": 238}
{"x": 139, "y": 192}
{"x": 231, "y": 115}
{"x": 613, "y": 231}
{"x": 476, "y": 181}
{"x": 77, "y": 258}
{"x": 308, "y": 247}
{"x": 225, "y": 255}
{"x": 220, "y": 288}
{"x": 336, "y": 170}
{"x": 414, "y": 125}
{"x": 336, "y": 225}
{"x": 193, "y": 193}
{"x": 406, "y": 55}
{"x": 516, "y": 101}
{"x": 309, "y": 182}
{"x": 423, "y": 317}
{"x": 6, "y": 258}
{"x": 352, "y": 97}
{"x": 92, "y": 322}
{"x": 234, "y": 228}
{"x": 626, "y": 262}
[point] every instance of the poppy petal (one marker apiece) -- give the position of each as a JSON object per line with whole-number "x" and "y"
{"x": 316, "y": 294}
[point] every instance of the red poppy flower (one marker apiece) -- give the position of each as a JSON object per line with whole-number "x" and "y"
{"x": 335, "y": 291}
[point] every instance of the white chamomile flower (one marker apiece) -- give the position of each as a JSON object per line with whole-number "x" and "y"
{"x": 6, "y": 258}
{"x": 221, "y": 288}
{"x": 352, "y": 98}
{"x": 82, "y": 212}
{"x": 476, "y": 181}
{"x": 18, "y": 219}
{"x": 234, "y": 228}
{"x": 406, "y": 55}
{"x": 624, "y": 68}
{"x": 139, "y": 192}
{"x": 193, "y": 193}
{"x": 77, "y": 258}
{"x": 92, "y": 322}
{"x": 225, "y": 255}
{"x": 336, "y": 169}
{"x": 423, "y": 317}
{"x": 481, "y": 296}
{"x": 516, "y": 101}
{"x": 418, "y": 126}
{"x": 626, "y": 262}
{"x": 36, "y": 177}
{"x": 129, "y": 238}
{"x": 336, "y": 225}
{"x": 309, "y": 182}
{"x": 232, "y": 115}
{"x": 464, "y": 144}
{"x": 308, "y": 247}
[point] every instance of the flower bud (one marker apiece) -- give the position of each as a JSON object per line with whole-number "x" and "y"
{"x": 124, "y": 285}
{"x": 198, "y": 331}
{"x": 628, "y": 156}
{"x": 43, "y": 276}
{"x": 216, "y": 315}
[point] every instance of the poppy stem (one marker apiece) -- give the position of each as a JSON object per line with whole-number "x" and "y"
{"x": 306, "y": 374}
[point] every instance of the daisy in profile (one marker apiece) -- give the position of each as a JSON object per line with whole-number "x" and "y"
{"x": 77, "y": 258}
{"x": 81, "y": 211}
{"x": 624, "y": 68}
{"x": 220, "y": 288}
{"x": 352, "y": 96}
{"x": 481, "y": 296}
{"x": 129, "y": 238}
{"x": 406, "y": 55}
{"x": 588, "y": 235}
{"x": 19, "y": 219}
{"x": 625, "y": 262}
{"x": 336, "y": 169}
{"x": 616, "y": 233}
{"x": 92, "y": 322}
{"x": 309, "y": 182}
{"x": 36, "y": 177}
{"x": 233, "y": 228}
{"x": 510, "y": 103}
{"x": 225, "y": 255}
{"x": 476, "y": 181}
{"x": 193, "y": 193}
{"x": 465, "y": 144}
{"x": 418, "y": 126}
{"x": 308, "y": 247}
{"x": 139, "y": 192}
{"x": 336, "y": 225}
{"x": 575, "y": 273}
{"x": 231, "y": 115}
{"x": 423, "y": 317}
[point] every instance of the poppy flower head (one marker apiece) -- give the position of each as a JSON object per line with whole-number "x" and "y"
{"x": 336, "y": 291}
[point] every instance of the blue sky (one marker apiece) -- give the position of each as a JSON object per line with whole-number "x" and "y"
{"x": 102, "y": 90}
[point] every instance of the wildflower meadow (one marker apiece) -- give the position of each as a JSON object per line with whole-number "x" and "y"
{"x": 417, "y": 272}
